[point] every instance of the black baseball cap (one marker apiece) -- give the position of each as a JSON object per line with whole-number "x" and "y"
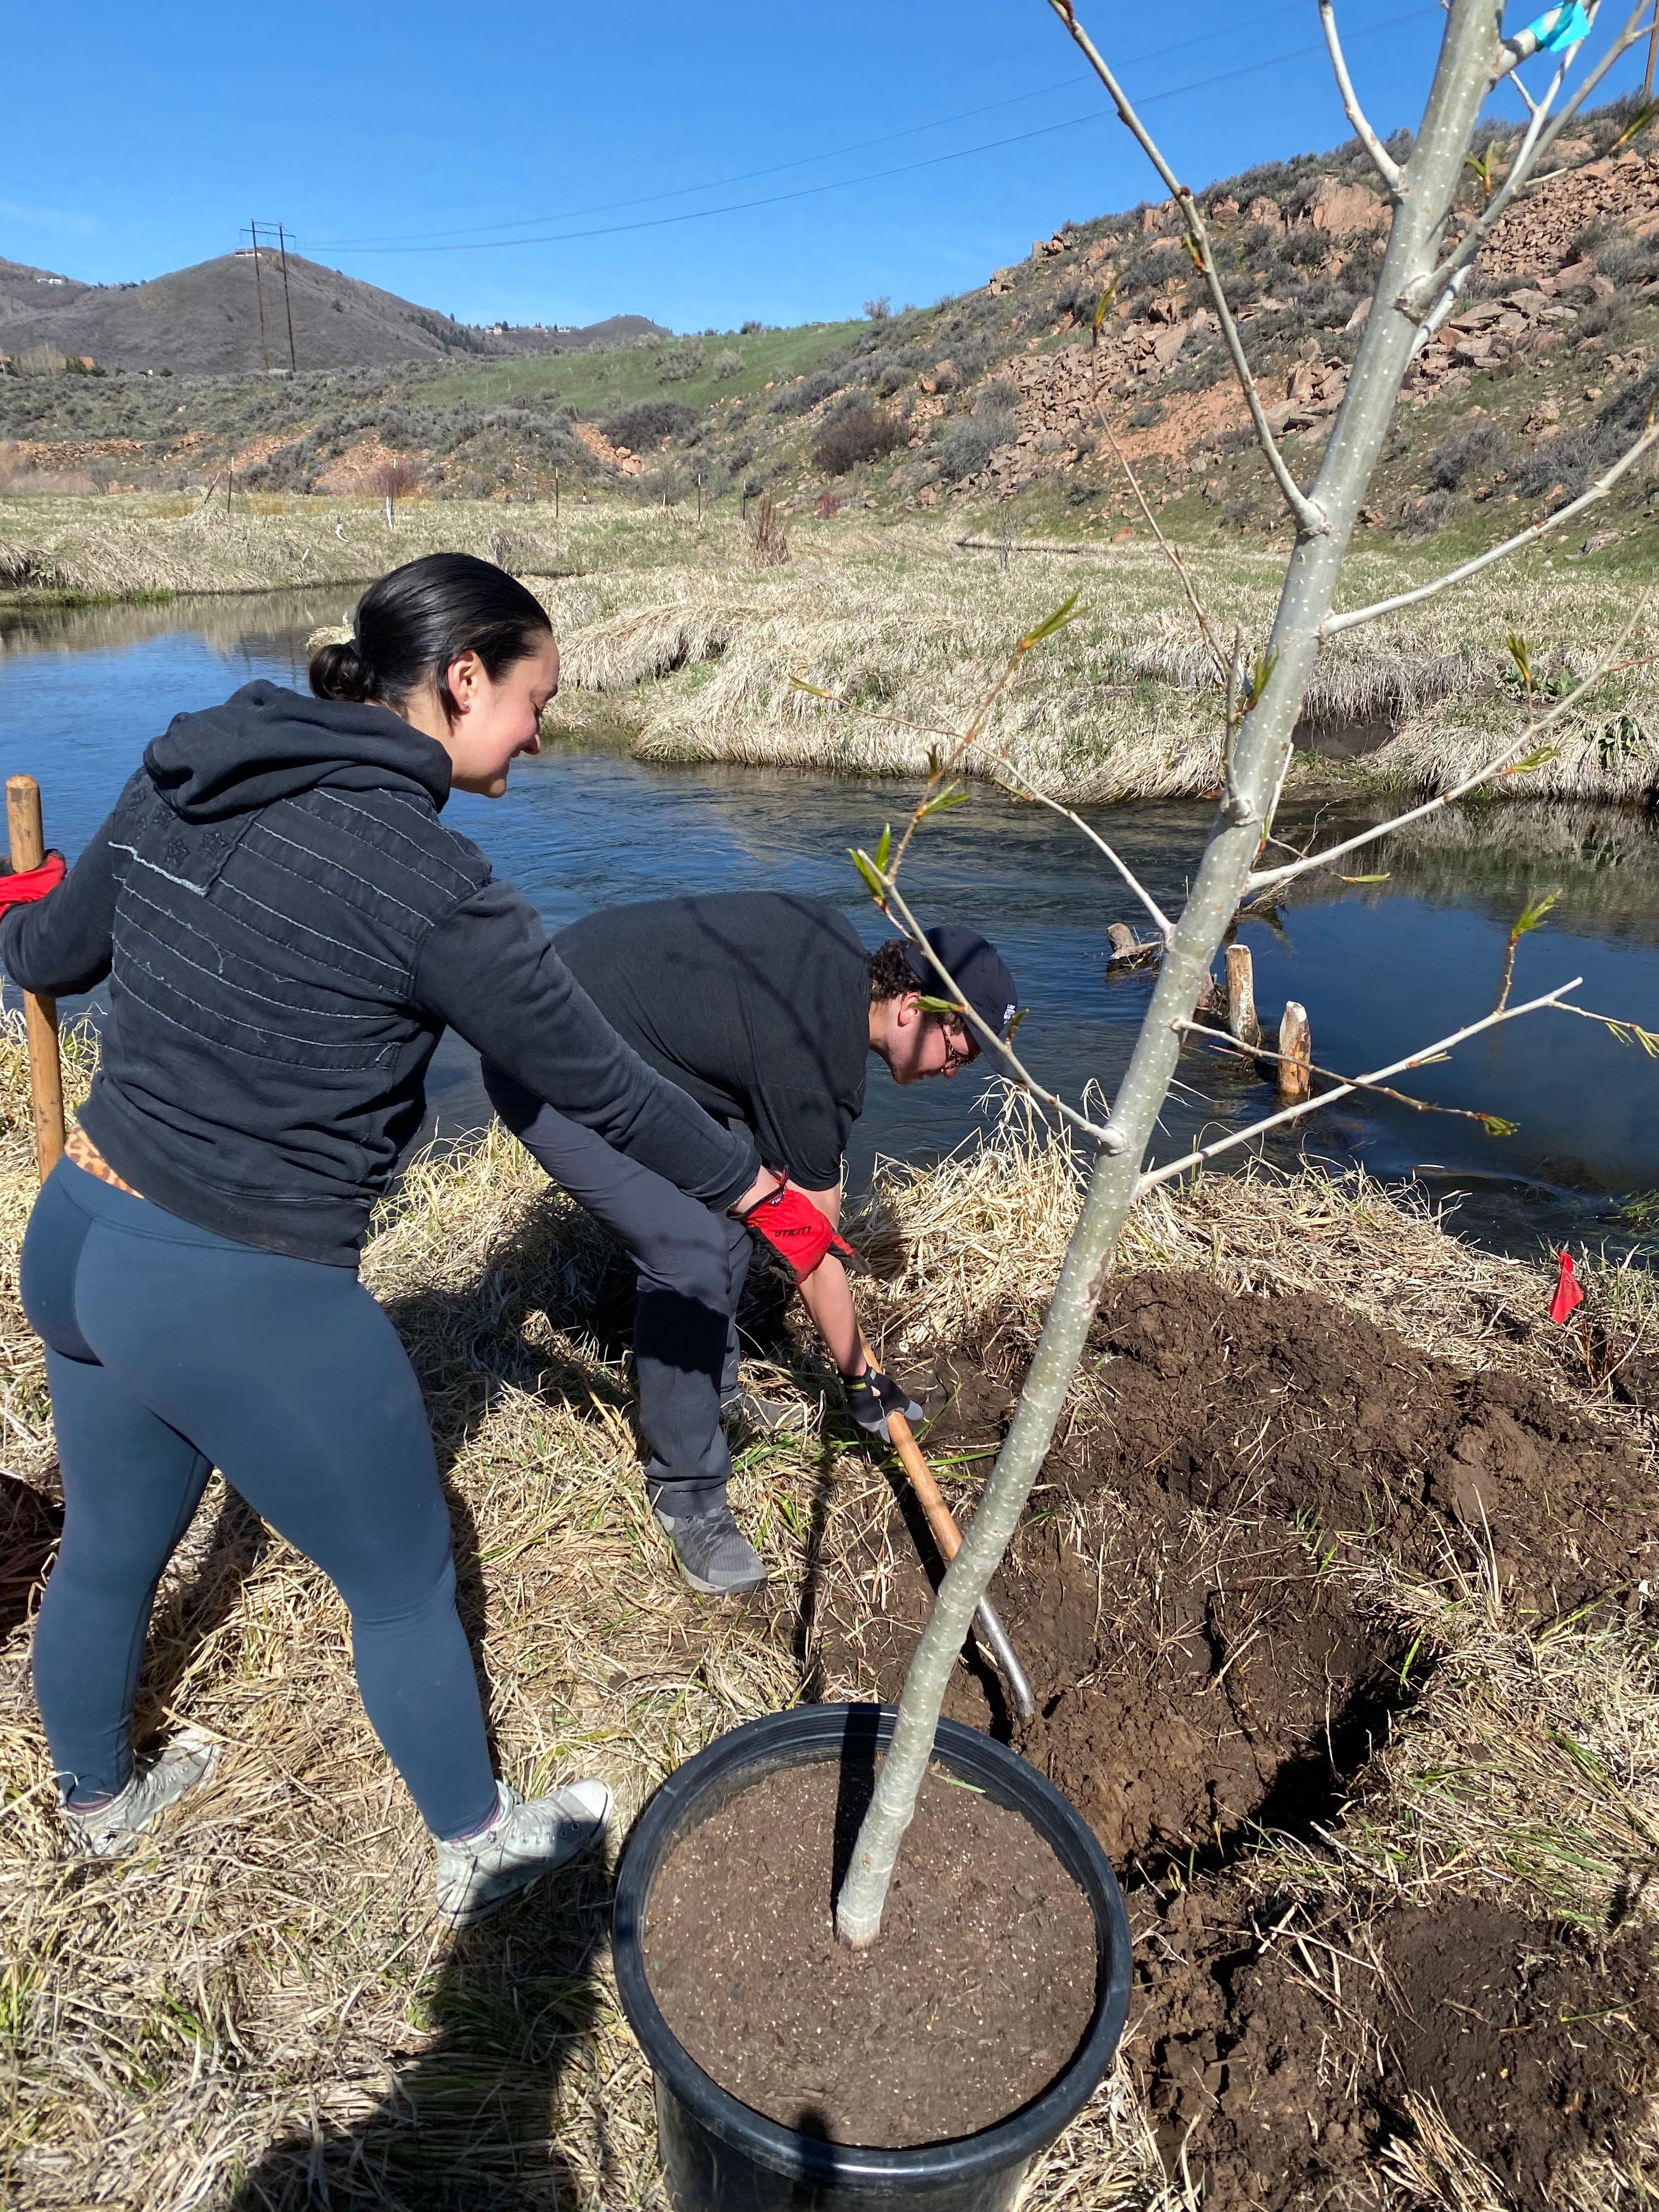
{"x": 982, "y": 978}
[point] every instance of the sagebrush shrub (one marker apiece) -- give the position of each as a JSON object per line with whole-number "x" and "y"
{"x": 859, "y": 433}
{"x": 678, "y": 364}
{"x": 1467, "y": 452}
{"x": 798, "y": 399}
{"x": 967, "y": 442}
{"x": 648, "y": 423}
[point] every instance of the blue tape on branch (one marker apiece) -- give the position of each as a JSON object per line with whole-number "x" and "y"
{"x": 1557, "y": 28}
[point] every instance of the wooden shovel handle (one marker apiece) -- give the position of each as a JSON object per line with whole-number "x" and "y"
{"x": 28, "y": 850}
{"x": 941, "y": 1522}
{"x": 942, "y": 1525}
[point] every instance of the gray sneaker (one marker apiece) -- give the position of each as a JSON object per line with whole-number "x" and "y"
{"x": 714, "y": 1555}
{"x": 526, "y": 1839}
{"x": 104, "y": 1832}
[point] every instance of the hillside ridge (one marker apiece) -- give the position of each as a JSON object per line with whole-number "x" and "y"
{"x": 998, "y": 400}
{"x": 207, "y": 318}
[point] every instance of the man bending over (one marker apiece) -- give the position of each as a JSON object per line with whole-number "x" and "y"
{"x": 765, "y": 1007}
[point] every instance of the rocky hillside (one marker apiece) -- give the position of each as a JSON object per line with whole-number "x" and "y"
{"x": 208, "y": 318}
{"x": 995, "y": 401}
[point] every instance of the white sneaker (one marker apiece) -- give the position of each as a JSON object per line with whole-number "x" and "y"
{"x": 478, "y": 1875}
{"x": 104, "y": 1832}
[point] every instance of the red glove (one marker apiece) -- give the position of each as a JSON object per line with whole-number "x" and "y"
{"x": 33, "y": 883}
{"x": 790, "y": 1222}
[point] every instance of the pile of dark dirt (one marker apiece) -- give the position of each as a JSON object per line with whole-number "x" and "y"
{"x": 1294, "y": 1407}
{"x": 980, "y": 1991}
{"x": 1207, "y": 1666}
{"x": 1284, "y": 2053}
{"x": 1201, "y": 1662}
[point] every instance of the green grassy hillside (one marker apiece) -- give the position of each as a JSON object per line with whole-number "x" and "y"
{"x": 993, "y": 404}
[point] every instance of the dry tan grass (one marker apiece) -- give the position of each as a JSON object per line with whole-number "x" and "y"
{"x": 911, "y": 632}
{"x": 146, "y": 543}
{"x": 255, "y": 2009}
{"x": 1122, "y": 703}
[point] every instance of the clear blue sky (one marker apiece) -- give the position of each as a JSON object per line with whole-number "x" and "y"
{"x": 150, "y": 136}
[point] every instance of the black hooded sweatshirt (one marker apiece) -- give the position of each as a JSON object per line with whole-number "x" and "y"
{"x": 288, "y": 928}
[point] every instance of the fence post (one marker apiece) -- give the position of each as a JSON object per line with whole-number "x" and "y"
{"x": 1296, "y": 1053}
{"x": 1241, "y": 996}
{"x": 28, "y": 850}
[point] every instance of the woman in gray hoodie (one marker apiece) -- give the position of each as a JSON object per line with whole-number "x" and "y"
{"x": 287, "y": 927}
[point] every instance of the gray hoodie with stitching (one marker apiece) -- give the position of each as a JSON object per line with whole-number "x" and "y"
{"x": 287, "y": 927}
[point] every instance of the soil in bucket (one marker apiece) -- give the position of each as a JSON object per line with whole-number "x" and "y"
{"x": 976, "y": 1993}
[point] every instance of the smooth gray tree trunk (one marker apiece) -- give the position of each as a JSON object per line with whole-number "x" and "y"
{"x": 1470, "y": 60}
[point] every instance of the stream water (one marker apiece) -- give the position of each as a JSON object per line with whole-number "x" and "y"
{"x": 1382, "y": 967}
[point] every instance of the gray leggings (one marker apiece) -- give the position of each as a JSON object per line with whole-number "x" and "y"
{"x": 692, "y": 1263}
{"x": 171, "y": 1351}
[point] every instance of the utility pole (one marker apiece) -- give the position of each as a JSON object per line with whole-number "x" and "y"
{"x": 1653, "y": 49}
{"x": 282, "y": 240}
{"x": 287, "y": 304}
{"x": 260, "y": 294}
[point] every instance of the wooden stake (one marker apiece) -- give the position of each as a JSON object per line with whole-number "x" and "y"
{"x": 1296, "y": 1055}
{"x": 1242, "y": 1021}
{"x": 28, "y": 850}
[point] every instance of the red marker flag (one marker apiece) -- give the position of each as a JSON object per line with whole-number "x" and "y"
{"x": 1568, "y": 1295}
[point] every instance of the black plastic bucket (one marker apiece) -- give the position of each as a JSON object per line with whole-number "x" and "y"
{"x": 719, "y": 2156}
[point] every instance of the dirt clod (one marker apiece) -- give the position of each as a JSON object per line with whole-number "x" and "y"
{"x": 1285, "y": 2054}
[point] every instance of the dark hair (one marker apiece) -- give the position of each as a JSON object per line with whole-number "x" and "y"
{"x": 411, "y": 626}
{"x": 891, "y": 975}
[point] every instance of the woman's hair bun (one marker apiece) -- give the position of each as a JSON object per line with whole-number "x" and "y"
{"x": 339, "y": 672}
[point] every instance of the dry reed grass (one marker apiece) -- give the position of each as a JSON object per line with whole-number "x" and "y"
{"x": 255, "y": 2011}
{"x": 145, "y": 545}
{"x": 911, "y": 632}
{"x": 1122, "y": 704}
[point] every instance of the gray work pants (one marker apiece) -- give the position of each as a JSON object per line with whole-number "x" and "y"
{"x": 690, "y": 1262}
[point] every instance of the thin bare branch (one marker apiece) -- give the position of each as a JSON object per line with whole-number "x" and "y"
{"x": 1171, "y": 551}
{"x": 941, "y": 771}
{"x": 1261, "y": 879}
{"x": 1029, "y": 791}
{"x": 1311, "y": 518}
{"x": 1220, "y": 1042}
{"x": 1625, "y": 1032}
{"x": 1332, "y": 624}
{"x": 1384, "y": 163}
{"x": 1328, "y": 1097}
{"x": 1108, "y": 1139}
{"x": 1537, "y": 137}
{"x": 1431, "y": 322}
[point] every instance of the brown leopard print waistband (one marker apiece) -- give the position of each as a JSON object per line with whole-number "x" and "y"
{"x": 80, "y": 1148}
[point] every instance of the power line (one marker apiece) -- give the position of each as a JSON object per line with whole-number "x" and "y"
{"x": 778, "y": 169}
{"x": 878, "y": 176}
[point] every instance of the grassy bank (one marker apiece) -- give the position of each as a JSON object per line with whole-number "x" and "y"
{"x": 671, "y": 632}
{"x": 256, "y": 2010}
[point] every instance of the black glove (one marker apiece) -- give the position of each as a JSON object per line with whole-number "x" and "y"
{"x": 872, "y": 1396}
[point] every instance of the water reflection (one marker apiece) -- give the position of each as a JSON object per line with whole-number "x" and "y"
{"x": 1382, "y": 967}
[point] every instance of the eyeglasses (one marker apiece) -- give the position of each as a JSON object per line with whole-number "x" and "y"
{"x": 960, "y": 1048}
